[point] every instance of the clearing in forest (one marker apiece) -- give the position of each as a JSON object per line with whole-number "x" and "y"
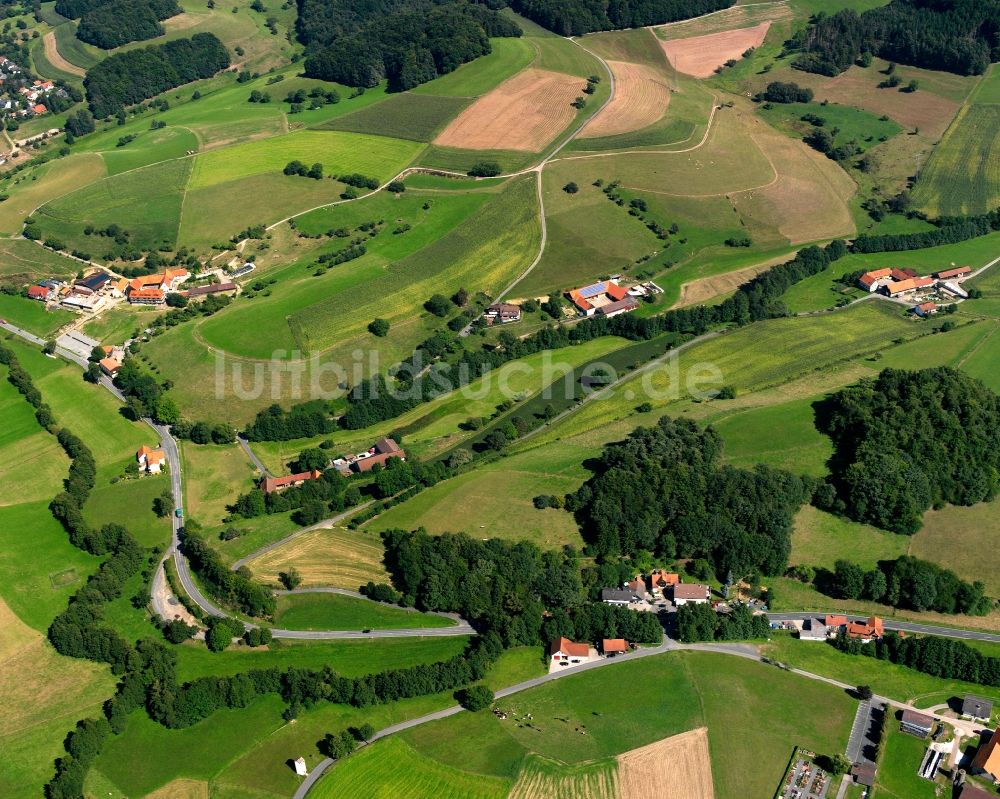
{"x": 701, "y": 55}
{"x": 524, "y": 113}
{"x": 641, "y": 98}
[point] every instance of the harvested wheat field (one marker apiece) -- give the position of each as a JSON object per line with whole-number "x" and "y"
{"x": 704, "y": 289}
{"x": 331, "y": 557}
{"x": 699, "y": 56}
{"x": 641, "y": 98}
{"x": 56, "y": 58}
{"x": 181, "y": 789}
{"x": 523, "y": 113}
{"x": 678, "y": 766}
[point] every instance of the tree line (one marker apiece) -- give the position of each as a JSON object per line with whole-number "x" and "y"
{"x": 113, "y": 23}
{"x": 948, "y": 230}
{"x": 961, "y": 36}
{"x": 576, "y": 17}
{"x": 409, "y": 45}
{"x": 701, "y": 623}
{"x": 910, "y": 583}
{"x": 908, "y": 441}
{"x": 940, "y": 657}
{"x": 236, "y": 588}
{"x": 127, "y": 78}
{"x": 664, "y": 490}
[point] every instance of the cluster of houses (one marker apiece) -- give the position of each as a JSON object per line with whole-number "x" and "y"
{"x": 22, "y": 96}
{"x": 94, "y": 291}
{"x": 820, "y": 629}
{"x": 606, "y": 298}
{"x": 563, "y": 652}
{"x": 663, "y": 585}
{"x": 377, "y": 454}
{"x": 906, "y": 284}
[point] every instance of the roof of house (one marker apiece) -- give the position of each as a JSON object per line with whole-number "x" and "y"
{"x": 690, "y": 591}
{"x": 172, "y": 274}
{"x": 910, "y": 284}
{"x": 872, "y": 628}
{"x": 638, "y": 585}
{"x": 155, "y": 456}
{"x": 214, "y": 288}
{"x": 927, "y": 306}
{"x": 979, "y": 708}
{"x": 956, "y": 272}
{"x": 916, "y": 719}
{"x": 505, "y": 308}
{"x": 273, "y": 483}
{"x": 39, "y": 109}
{"x": 902, "y": 274}
{"x": 567, "y": 647}
{"x": 988, "y": 756}
{"x": 387, "y": 446}
{"x": 94, "y": 281}
{"x": 864, "y": 773}
{"x": 614, "y": 645}
{"x": 835, "y": 621}
{"x": 37, "y": 291}
{"x": 626, "y": 304}
{"x": 110, "y": 364}
{"x": 144, "y": 281}
{"x": 581, "y": 297}
{"x": 661, "y": 578}
{"x": 878, "y": 273}
{"x": 616, "y": 595}
{"x": 143, "y": 451}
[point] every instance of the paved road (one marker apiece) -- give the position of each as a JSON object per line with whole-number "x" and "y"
{"x": 893, "y": 624}
{"x": 253, "y": 456}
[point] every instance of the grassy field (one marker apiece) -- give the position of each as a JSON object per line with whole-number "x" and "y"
{"x": 117, "y": 324}
{"x": 22, "y": 260}
{"x": 214, "y": 475}
{"x": 509, "y": 57}
{"x": 54, "y": 179}
{"x": 32, "y": 315}
{"x": 149, "y": 148}
{"x": 335, "y": 612}
{"x": 130, "y": 503}
{"x": 862, "y": 128}
{"x": 145, "y": 202}
{"x": 339, "y": 152}
{"x": 330, "y": 557}
{"x": 821, "y": 539}
{"x": 897, "y": 774}
{"x": 417, "y": 117}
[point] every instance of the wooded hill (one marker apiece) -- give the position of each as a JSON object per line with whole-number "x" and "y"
{"x": 961, "y": 36}
{"x": 410, "y": 44}
{"x": 575, "y": 17}
{"x": 111, "y": 23}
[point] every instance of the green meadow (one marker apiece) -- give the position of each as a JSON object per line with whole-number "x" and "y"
{"x": 336, "y": 612}
{"x": 509, "y": 57}
{"x": 32, "y": 315}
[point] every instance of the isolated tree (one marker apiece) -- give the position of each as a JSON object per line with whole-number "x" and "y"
{"x": 475, "y": 697}
{"x": 864, "y": 692}
{"x": 438, "y": 305}
{"x": 571, "y": 188}
{"x": 378, "y": 327}
{"x": 50, "y": 347}
{"x": 396, "y": 187}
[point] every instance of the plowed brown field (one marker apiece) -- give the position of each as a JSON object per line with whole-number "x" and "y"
{"x": 523, "y": 113}
{"x": 700, "y": 55}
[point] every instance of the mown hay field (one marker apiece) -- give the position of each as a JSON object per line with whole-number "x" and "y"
{"x": 642, "y": 95}
{"x": 333, "y": 557}
{"x": 524, "y": 113}
{"x": 700, "y": 56}
{"x": 48, "y": 182}
{"x": 541, "y": 778}
{"x": 417, "y": 117}
{"x": 336, "y": 612}
{"x": 214, "y": 476}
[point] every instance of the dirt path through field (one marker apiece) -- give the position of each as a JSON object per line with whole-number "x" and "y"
{"x": 55, "y": 57}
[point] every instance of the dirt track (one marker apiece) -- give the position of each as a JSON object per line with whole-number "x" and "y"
{"x": 700, "y": 55}
{"x": 524, "y": 113}
{"x": 55, "y": 57}
{"x": 641, "y": 98}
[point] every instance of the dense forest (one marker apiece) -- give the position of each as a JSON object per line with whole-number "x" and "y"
{"x": 663, "y": 490}
{"x": 908, "y": 441}
{"x": 961, "y": 36}
{"x": 575, "y": 17}
{"x": 127, "y": 78}
{"x": 119, "y": 22}
{"x": 408, "y": 45}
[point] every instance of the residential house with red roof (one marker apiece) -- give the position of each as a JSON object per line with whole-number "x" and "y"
{"x": 150, "y": 460}
{"x": 568, "y": 653}
{"x": 271, "y": 484}
{"x": 605, "y": 299}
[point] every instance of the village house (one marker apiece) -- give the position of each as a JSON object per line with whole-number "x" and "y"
{"x": 212, "y": 288}
{"x": 987, "y": 759}
{"x": 150, "y": 460}
{"x": 271, "y": 484}
{"x": 40, "y": 293}
{"x": 606, "y": 298}
{"x": 691, "y": 594}
{"x": 926, "y": 309}
{"x": 915, "y": 723}
{"x": 813, "y": 630}
{"x": 866, "y": 631}
{"x": 568, "y": 653}
{"x": 116, "y": 288}
{"x": 949, "y": 274}
{"x": 660, "y": 579}
{"x": 870, "y": 281}
{"x": 622, "y": 597}
{"x": 152, "y": 289}
{"x": 638, "y": 588}
{"x": 977, "y": 709}
{"x": 384, "y": 449}
{"x": 93, "y": 282}
{"x": 503, "y": 312}
{"x": 900, "y": 287}
{"x": 83, "y": 300}
{"x": 110, "y": 366}
{"x": 612, "y": 647}
{"x": 864, "y": 774}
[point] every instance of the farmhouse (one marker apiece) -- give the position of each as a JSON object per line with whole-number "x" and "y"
{"x": 661, "y": 579}
{"x": 908, "y": 286}
{"x": 117, "y": 288}
{"x": 94, "y": 281}
{"x": 949, "y": 274}
{"x": 271, "y": 484}
{"x": 38, "y": 293}
{"x": 813, "y": 630}
{"x": 568, "y": 653}
{"x": 618, "y": 596}
{"x": 916, "y": 723}
{"x": 83, "y": 301}
{"x": 150, "y": 460}
{"x": 612, "y": 647}
{"x": 151, "y": 296}
{"x": 384, "y": 449}
{"x": 605, "y": 299}
{"x": 638, "y": 588}
{"x": 870, "y": 281}
{"x": 987, "y": 759}
{"x": 212, "y": 288}
{"x": 691, "y": 593}
{"x": 110, "y": 366}
{"x": 866, "y": 631}
{"x": 926, "y": 309}
{"x": 150, "y": 289}
{"x": 977, "y": 709}
{"x": 864, "y": 774}
{"x": 503, "y": 312}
